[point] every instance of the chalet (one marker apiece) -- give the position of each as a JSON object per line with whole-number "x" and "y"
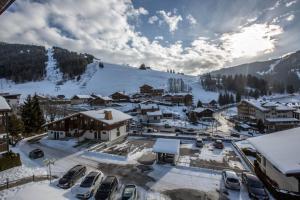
{"x": 120, "y": 97}
{"x": 12, "y": 99}
{"x": 213, "y": 104}
{"x": 154, "y": 117}
{"x": 149, "y": 107}
{"x": 277, "y": 161}
{"x": 179, "y": 98}
{"x": 99, "y": 100}
{"x": 4, "y": 110}
{"x": 60, "y": 96}
{"x": 80, "y": 99}
{"x": 150, "y": 91}
{"x": 202, "y": 113}
{"x": 146, "y": 89}
{"x": 104, "y": 125}
{"x": 42, "y": 99}
{"x": 275, "y": 116}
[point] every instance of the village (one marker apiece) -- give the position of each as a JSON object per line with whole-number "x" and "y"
{"x": 153, "y": 141}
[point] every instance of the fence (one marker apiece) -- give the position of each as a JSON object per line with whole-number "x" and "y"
{"x": 3, "y": 146}
{"x": 22, "y": 181}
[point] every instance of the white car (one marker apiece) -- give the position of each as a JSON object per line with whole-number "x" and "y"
{"x": 231, "y": 180}
{"x": 89, "y": 185}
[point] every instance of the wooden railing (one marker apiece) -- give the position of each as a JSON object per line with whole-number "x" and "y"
{"x": 13, "y": 183}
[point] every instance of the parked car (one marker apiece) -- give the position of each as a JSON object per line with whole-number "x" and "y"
{"x": 89, "y": 185}
{"x": 70, "y": 178}
{"x": 255, "y": 187}
{"x": 231, "y": 180}
{"x": 218, "y": 144}
{"x": 107, "y": 188}
{"x": 36, "y": 153}
{"x": 129, "y": 192}
{"x": 199, "y": 143}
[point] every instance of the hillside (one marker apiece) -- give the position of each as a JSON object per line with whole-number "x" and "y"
{"x": 285, "y": 69}
{"x": 103, "y": 81}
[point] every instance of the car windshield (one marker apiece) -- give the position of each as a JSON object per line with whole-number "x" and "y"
{"x": 69, "y": 174}
{"x": 255, "y": 184}
{"x": 128, "y": 191}
{"x": 232, "y": 180}
{"x": 104, "y": 187}
{"x": 87, "y": 182}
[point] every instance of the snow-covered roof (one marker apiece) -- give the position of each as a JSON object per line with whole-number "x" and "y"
{"x": 148, "y": 106}
{"x": 171, "y": 146}
{"x": 117, "y": 116}
{"x": 155, "y": 113}
{"x": 4, "y": 105}
{"x": 103, "y": 97}
{"x": 178, "y": 94}
{"x": 200, "y": 109}
{"x": 282, "y": 119}
{"x": 267, "y": 105}
{"x": 82, "y": 96}
{"x": 281, "y": 149}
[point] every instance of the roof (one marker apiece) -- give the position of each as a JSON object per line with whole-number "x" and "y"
{"x": 200, "y": 109}
{"x": 171, "y": 146}
{"x": 117, "y": 116}
{"x": 178, "y": 94}
{"x": 283, "y": 119}
{"x": 4, "y": 105}
{"x": 105, "y": 98}
{"x": 281, "y": 149}
{"x": 82, "y": 96}
{"x": 155, "y": 113}
{"x": 4, "y": 4}
{"x": 148, "y": 106}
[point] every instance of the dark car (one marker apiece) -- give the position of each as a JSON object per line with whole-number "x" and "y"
{"x": 107, "y": 188}
{"x": 218, "y": 144}
{"x": 70, "y": 178}
{"x": 129, "y": 192}
{"x": 255, "y": 187}
{"x": 36, "y": 153}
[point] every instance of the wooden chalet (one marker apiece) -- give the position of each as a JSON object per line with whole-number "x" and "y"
{"x": 179, "y": 98}
{"x": 81, "y": 99}
{"x": 99, "y": 100}
{"x": 120, "y": 97}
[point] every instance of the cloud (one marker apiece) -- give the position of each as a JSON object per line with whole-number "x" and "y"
{"x": 191, "y": 19}
{"x": 159, "y": 38}
{"x": 153, "y": 19}
{"x": 290, "y": 17}
{"x": 252, "y": 40}
{"x": 102, "y": 28}
{"x": 288, "y": 4}
{"x": 171, "y": 20}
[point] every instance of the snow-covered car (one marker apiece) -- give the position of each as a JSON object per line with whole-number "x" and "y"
{"x": 129, "y": 192}
{"x": 89, "y": 185}
{"x": 231, "y": 180}
{"x": 70, "y": 178}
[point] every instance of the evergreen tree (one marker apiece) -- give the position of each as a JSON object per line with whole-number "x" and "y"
{"x": 15, "y": 125}
{"x": 199, "y": 104}
{"x": 38, "y": 116}
{"x": 143, "y": 67}
{"x": 260, "y": 126}
{"x": 231, "y": 98}
{"x": 290, "y": 89}
{"x": 238, "y": 97}
{"x": 26, "y": 113}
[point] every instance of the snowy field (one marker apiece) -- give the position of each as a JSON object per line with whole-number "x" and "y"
{"x": 104, "y": 81}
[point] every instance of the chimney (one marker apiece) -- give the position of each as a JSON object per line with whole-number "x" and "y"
{"x": 108, "y": 115}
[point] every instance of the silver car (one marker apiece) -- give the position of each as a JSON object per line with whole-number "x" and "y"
{"x": 231, "y": 180}
{"x": 89, "y": 185}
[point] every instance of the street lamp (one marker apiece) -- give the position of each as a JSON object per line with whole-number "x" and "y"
{"x": 49, "y": 162}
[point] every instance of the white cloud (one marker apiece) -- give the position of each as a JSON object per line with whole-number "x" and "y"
{"x": 153, "y": 19}
{"x": 252, "y": 40}
{"x": 171, "y": 20}
{"x": 290, "y": 17}
{"x": 288, "y": 4}
{"x": 159, "y": 37}
{"x": 191, "y": 19}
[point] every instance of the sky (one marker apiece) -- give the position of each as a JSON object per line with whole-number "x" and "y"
{"x": 193, "y": 37}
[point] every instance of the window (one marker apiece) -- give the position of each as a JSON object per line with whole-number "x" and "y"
{"x": 118, "y": 132}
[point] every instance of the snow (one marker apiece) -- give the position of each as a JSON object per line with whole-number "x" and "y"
{"x": 170, "y": 146}
{"x": 4, "y": 105}
{"x": 155, "y": 113}
{"x": 148, "y": 106}
{"x": 271, "y": 68}
{"x": 117, "y": 116}
{"x": 281, "y": 149}
{"x": 66, "y": 145}
{"x": 53, "y": 73}
{"x": 104, "y": 81}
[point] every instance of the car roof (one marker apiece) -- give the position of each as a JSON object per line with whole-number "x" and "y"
{"x": 76, "y": 167}
{"x": 251, "y": 177}
{"x": 231, "y": 174}
{"x": 37, "y": 150}
{"x": 92, "y": 174}
{"x": 109, "y": 179}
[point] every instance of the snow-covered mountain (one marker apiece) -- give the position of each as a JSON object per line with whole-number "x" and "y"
{"x": 103, "y": 81}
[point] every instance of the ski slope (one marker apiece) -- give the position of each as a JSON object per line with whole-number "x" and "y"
{"x": 104, "y": 81}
